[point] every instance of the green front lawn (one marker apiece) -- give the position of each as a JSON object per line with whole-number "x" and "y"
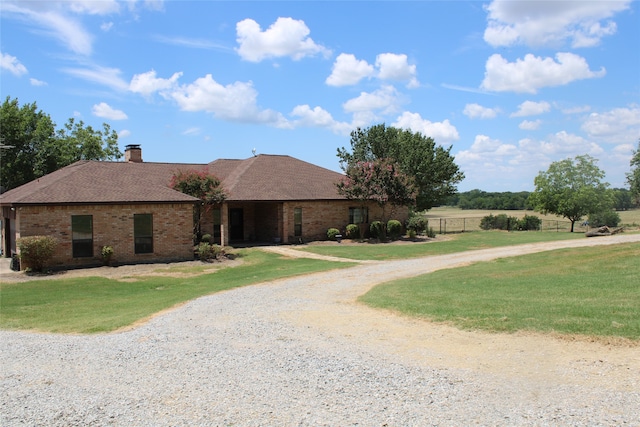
{"x": 441, "y": 245}
{"x": 96, "y": 304}
{"x": 585, "y": 291}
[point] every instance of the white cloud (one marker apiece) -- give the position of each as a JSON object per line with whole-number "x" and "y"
{"x": 620, "y": 125}
{"x": 490, "y": 162}
{"x": 551, "y": 23}
{"x": 124, "y": 133}
{"x": 36, "y": 82}
{"x": 347, "y": 70}
{"x": 59, "y": 19}
{"x": 51, "y": 18}
{"x": 532, "y": 73}
{"x": 147, "y": 83}
{"x": 485, "y": 145}
{"x": 285, "y": 37}
{"x": 577, "y": 110}
{"x": 102, "y": 75}
{"x": 106, "y": 26}
{"x": 531, "y": 108}
{"x": 530, "y": 124}
{"x": 477, "y": 111}
{"x": 439, "y": 131}
{"x": 192, "y": 131}
{"x": 93, "y": 7}
{"x": 396, "y": 67}
{"x": 320, "y": 118}
{"x": 385, "y": 100}
{"x": 191, "y": 42}
{"x": 235, "y": 102}
{"x": 106, "y": 111}
{"x": 12, "y": 64}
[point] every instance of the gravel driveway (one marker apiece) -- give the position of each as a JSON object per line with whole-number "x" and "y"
{"x": 301, "y": 352}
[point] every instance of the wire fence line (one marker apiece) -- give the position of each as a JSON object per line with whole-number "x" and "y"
{"x": 447, "y": 225}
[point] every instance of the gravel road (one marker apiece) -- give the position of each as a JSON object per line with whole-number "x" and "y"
{"x": 302, "y": 352}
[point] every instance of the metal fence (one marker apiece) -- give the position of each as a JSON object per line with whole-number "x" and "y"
{"x": 462, "y": 225}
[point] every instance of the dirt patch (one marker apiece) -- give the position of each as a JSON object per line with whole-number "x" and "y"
{"x": 126, "y": 273}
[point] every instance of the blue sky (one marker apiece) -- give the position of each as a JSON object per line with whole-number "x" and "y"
{"x": 510, "y": 86}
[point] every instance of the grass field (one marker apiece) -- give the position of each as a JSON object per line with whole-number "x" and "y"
{"x": 628, "y": 218}
{"x": 442, "y": 245}
{"x": 95, "y": 304}
{"x": 586, "y": 291}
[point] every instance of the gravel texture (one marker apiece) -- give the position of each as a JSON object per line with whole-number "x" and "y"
{"x": 300, "y": 352}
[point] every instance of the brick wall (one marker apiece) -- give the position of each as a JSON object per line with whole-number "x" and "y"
{"x": 265, "y": 221}
{"x": 113, "y": 226}
{"x": 319, "y": 216}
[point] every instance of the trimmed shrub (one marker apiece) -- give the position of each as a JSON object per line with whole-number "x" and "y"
{"x": 352, "y": 231}
{"x": 376, "y": 229}
{"x": 332, "y": 233}
{"x": 209, "y": 252}
{"x": 499, "y": 222}
{"x": 418, "y": 223}
{"x": 36, "y": 251}
{"x": 107, "y": 254}
{"x": 394, "y": 229}
{"x": 529, "y": 223}
{"x": 206, "y": 238}
{"x": 610, "y": 218}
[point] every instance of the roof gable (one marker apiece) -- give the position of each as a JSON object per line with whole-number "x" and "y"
{"x": 275, "y": 177}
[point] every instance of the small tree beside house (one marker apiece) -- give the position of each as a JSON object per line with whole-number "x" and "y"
{"x": 205, "y": 187}
{"x": 380, "y": 181}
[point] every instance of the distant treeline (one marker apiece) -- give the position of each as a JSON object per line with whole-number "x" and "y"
{"x": 478, "y": 199}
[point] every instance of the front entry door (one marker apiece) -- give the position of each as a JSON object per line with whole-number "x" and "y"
{"x": 236, "y": 224}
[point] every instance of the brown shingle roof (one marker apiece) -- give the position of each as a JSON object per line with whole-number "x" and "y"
{"x": 102, "y": 182}
{"x": 273, "y": 177}
{"x": 260, "y": 178}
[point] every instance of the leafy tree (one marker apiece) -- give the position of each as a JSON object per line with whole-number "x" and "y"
{"x": 85, "y": 143}
{"x": 633, "y": 177}
{"x": 623, "y": 198}
{"x": 431, "y": 167}
{"x": 572, "y": 188}
{"x": 477, "y": 199}
{"x": 36, "y": 149}
{"x": 30, "y": 137}
{"x": 381, "y": 181}
{"x": 205, "y": 187}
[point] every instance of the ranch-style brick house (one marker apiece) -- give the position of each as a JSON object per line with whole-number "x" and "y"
{"x": 130, "y": 206}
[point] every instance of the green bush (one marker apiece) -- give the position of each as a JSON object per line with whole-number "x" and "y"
{"x": 418, "y": 223}
{"x": 394, "y": 229}
{"x": 529, "y": 223}
{"x": 499, "y": 222}
{"x": 206, "y": 238}
{"x": 36, "y": 251}
{"x": 352, "y": 231}
{"x": 107, "y": 254}
{"x": 431, "y": 233}
{"x": 376, "y": 230}
{"x": 332, "y": 233}
{"x": 610, "y": 218}
{"x": 209, "y": 252}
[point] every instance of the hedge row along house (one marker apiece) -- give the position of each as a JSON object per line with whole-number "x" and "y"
{"x": 131, "y": 207}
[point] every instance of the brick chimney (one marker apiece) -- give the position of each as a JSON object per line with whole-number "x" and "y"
{"x": 133, "y": 153}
